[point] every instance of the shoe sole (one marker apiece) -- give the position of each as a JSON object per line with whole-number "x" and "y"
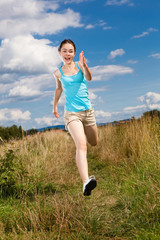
{"x": 89, "y": 187}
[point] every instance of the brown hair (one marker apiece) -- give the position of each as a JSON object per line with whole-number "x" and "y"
{"x": 66, "y": 41}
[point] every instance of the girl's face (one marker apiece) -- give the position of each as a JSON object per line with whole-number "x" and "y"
{"x": 67, "y": 53}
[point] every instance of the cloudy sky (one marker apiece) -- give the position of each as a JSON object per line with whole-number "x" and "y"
{"x": 120, "y": 40}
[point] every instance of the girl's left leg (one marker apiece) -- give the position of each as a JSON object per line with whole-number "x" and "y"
{"x": 78, "y": 133}
{"x": 76, "y": 130}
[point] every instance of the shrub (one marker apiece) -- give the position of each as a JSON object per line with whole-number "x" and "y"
{"x": 10, "y": 173}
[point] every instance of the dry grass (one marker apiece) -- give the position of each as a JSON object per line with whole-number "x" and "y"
{"x": 46, "y": 155}
{"x": 126, "y": 201}
{"x": 134, "y": 141}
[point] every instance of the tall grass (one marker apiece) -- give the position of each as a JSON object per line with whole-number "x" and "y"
{"x": 135, "y": 140}
{"x": 132, "y": 153}
{"x": 48, "y": 201}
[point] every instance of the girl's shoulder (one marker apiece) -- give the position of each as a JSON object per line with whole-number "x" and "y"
{"x": 57, "y": 73}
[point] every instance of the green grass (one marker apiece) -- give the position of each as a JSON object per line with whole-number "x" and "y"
{"x": 47, "y": 201}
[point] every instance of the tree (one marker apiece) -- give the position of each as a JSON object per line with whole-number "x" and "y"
{"x": 13, "y": 132}
{"x": 152, "y": 113}
{"x": 31, "y": 131}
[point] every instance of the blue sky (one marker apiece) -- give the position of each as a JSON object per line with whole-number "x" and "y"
{"x": 120, "y": 40}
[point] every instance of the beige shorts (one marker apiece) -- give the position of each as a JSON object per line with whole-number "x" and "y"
{"x": 86, "y": 117}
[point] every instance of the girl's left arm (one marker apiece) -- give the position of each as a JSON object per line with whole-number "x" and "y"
{"x": 85, "y": 69}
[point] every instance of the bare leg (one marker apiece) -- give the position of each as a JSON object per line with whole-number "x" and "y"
{"x": 91, "y": 134}
{"x": 76, "y": 130}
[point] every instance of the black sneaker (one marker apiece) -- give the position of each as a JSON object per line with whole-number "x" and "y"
{"x": 89, "y": 185}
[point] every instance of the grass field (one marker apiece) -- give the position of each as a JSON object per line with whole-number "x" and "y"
{"x": 41, "y": 191}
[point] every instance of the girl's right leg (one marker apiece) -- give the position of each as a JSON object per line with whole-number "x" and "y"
{"x": 76, "y": 130}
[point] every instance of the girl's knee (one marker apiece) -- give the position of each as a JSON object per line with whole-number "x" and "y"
{"x": 94, "y": 143}
{"x": 81, "y": 146}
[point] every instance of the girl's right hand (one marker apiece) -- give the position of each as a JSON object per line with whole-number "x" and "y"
{"x": 56, "y": 114}
{"x": 82, "y": 59}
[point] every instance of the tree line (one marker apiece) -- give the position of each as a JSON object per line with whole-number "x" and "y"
{"x": 152, "y": 113}
{"x": 14, "y": 132}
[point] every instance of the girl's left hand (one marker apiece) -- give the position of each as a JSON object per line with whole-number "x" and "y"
{"x": 82, "y": 59}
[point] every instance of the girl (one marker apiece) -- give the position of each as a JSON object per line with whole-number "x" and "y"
{"x": 79, "y": 115}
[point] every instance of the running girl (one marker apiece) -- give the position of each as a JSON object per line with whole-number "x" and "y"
{"x": 79, "y": 115}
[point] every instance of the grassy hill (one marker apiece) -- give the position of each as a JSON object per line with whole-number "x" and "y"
{"x": 41, "y": 191}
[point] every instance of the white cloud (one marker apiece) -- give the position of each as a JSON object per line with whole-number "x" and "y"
{"x": 49, "y": 121}
{"x": 38, "y": 82}
{"x": 107, "y": 28}
{"x": 150, "y": 98}
{"x": 135, "y": 109}
{"x": 132, "y": 61}
{"x": 146, "y": 33}
{"x": 44, "y": 121}
{"x": 7, "y": 78}
{"x": 100, "y": 23}
{"x": 143, "y": 34}
{"x": 119, "y": 2}
{"x": 24, "y": 54}
{"x": 92, "y": 95}
{"x": 15, "y": 115}
{"x": 31, "y": 16}
{"x": 154, "y": 106}
{"x": 27, "y": 8}
{"x": 27, "y": 88}
{"x": 95, "y": 98}
{"x": 115, "y": 53}
{"x": 152, "y": 29}
{"x": 155, "y": 55}
{"x": 108, "y": 71}
{"x": 90, "y": 26}
{"x": 101, "y": 113}
{"x": 76, "y": 1}
{"x": 150, "y": 101}
{"x": 7, "y": 82}
{"x": 100, "y": 89}
{"x": 140, "y": 109}
{"x": 23, "y": 91}
{"x": 103, "y": 116}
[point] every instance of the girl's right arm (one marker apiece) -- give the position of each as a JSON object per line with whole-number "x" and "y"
{"x": 58, "y": 93}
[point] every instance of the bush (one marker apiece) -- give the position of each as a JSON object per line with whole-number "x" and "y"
{"x": 10, "y": 173}
{"x": 15, "y": 180}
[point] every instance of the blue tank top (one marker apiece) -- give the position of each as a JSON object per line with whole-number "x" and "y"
{"x": 76, "y": 92}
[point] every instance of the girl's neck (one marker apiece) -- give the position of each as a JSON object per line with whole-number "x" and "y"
{"x": 69, "y": 65}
